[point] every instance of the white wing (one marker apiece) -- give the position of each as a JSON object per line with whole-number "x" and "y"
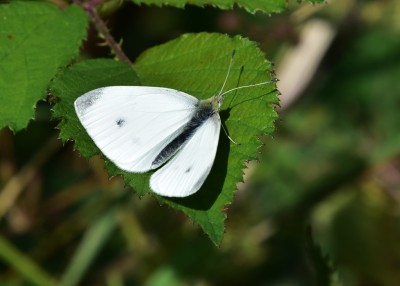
{"x": 132, "y": 124}
{"x": 186, "y": 172}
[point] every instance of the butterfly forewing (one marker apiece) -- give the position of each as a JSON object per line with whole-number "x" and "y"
{"x": 131, "y": 124}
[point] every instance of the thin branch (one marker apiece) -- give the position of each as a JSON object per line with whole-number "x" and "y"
{"x": 90, "y": 8}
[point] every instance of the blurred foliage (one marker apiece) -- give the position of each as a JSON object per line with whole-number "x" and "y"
{"x": 321, "y": 208}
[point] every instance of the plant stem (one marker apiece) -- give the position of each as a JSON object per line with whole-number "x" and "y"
{"x": 90, "y": 8}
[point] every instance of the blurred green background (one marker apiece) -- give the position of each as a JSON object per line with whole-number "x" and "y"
{"x": 320, "y": 208}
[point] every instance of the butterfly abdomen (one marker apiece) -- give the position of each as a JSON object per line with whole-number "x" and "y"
{"x": 204, "y": 111}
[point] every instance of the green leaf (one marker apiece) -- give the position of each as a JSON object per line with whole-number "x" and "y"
{"x": 252, "y": 6}
{"x": 35, "y": 40}
{"x": 196, "y": 64}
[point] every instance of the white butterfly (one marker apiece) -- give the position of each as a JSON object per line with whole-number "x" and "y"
{"x": 140, "y": 128}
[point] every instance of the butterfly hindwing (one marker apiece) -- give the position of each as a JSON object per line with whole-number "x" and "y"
{"x": 186, "y": 172}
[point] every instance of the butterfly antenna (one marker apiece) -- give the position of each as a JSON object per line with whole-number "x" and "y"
{"x": 246, "y": 86}
{"x": 227, "y": 74}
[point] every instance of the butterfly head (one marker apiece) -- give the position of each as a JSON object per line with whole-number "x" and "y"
{"x": 214, "y": 103}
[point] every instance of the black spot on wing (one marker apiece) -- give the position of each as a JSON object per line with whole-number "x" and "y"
{"x": 120, "y": 122}
{"x": 188, "y": 169}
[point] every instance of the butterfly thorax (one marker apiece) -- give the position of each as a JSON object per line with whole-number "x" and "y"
{"x": 214, "y": 103}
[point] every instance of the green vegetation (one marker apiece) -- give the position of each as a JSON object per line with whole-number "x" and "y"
{"x": 320, "y": 200}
